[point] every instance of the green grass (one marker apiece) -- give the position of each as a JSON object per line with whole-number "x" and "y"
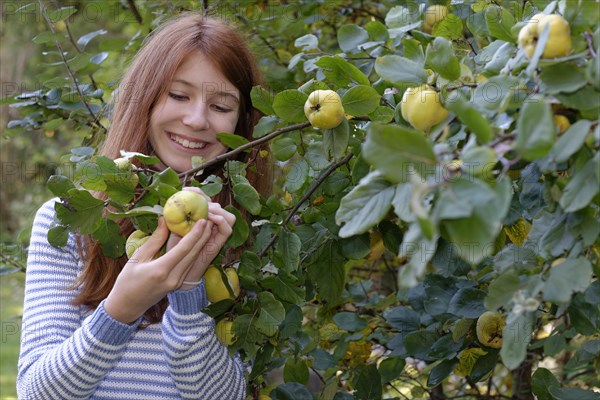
{"x": 11, "y": 308}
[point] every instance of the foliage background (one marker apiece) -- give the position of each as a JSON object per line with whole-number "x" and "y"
{"x": 362, "y": 332}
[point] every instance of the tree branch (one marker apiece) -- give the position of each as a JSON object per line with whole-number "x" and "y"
{"x": 70, "y": 72}
{"x": 244, "y": 147}
{"x": 135, "y": 11}
{"x": 14, "y": 263}
{"x": 306, "y": 196}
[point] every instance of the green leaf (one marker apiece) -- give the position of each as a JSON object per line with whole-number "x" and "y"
{"x": 351, "y": 36}
{"x": 440, "y": 57}
{"x": 262, "y": 100}
{"x": 289, "y": 245}
{"x": 515, "y": 339}
{"x": 307, "y": 42}
{"x": 470, "y": 116}
{"x": 248, "y": 197}
{"x": 393, "y": 149}
{"x": 326, "y": 268}
{"x": 562, "y": 77}
{"x": 316, "y": 157}
{"x": 502, "y": 289}
{"x": 441, "y": 371}
{"x": 419, "y": 343}
{"x": 494, "y": 94}
{"x": 559, "y": 393}
{"x": 377, "y": 31}
{"x": 265, "y": 125}
{"x": 244, "y": 328}
{"x": 451, "y": 27}
{"x": 499, "y": 22}
{"x": 290, "y": 391}
{"x": 582, "y": 187}
{"x": 365, "y": 205}
{"x": 232, "y": 141}
{"x": 367, "y": 383}
{"x": 271, "y": 314}
{"x": 58, "y": 235}
{"x": 295, "y": 370}
{"x": 474, "y": 235}
{"x": 283, "y": 148}
{"x": 60, "y": 14}
{"x": 113, "y": 244}
{"x": 80, "y": 211}
{"x": 467, "y": 303}
{"x": 99, "y": 58}
{"x": 400, "y": 71}
{"x": 572, "y": 275}
{"x": 241, "y": 230}
{"x": 484, "y": 365}
{"x": 137, "y": 212}
{"x": 85, "y": 39}
{"x": 296, "y": 175}
{"x": 360, "y": 100}
{"x": 60, "y": 185}
{"x": 391, "y": 368}
{"x": 382, "y": 114}
{"x": 335, "y": 141}
{"x": 340, "y": 72}
{"x": 349, "y": 321}
{"x": 46, "y": 37}
{"x": 289, "y": 105}
{"x": 571, "y": 141}
{"x": 535, "y": 129}
{"x": 284, "y": 287}
{"x": 292, "y": 323}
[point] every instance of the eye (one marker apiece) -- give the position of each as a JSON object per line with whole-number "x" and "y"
{"x": 177, "y": 97}
{"x": 220, "y": 108}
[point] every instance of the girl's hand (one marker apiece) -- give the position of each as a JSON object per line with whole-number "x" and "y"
{"x": 144, "y": 281}
{"x": 221, "y": 223}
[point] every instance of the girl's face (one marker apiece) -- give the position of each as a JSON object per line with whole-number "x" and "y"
{"x": 200, "y": 103}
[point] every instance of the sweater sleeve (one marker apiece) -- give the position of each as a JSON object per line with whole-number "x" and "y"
{"x": 62, "y": 354}
{"x": 199, "y": 364}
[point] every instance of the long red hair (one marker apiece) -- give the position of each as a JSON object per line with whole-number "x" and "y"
{"x": 146, "y": 80}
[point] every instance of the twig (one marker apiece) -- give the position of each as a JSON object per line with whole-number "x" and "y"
{"x": 312, "y": 189}
{"x": 71, "y": 74}
{"x": 14, "y": 263}
{"x": 244, "y": 147}
{"x": 135, "y": 11}
{"x": 590, "y": 42}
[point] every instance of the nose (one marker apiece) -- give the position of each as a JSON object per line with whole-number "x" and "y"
{"x": 196, "y": 116}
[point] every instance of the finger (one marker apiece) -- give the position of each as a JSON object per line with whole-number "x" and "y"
{"x": 187, "y": 248}
{"x": 154, "y": 243}
{"x": 215, "y": 208}
{"x": 198, "y": 190}
{"x": 198, "y": 254}
{"x": 224, "y": 230}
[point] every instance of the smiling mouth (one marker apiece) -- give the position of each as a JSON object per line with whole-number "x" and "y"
{"x": 188, "y": 144}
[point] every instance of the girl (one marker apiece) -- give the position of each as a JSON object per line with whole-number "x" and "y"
{"x": 135, "y": 329}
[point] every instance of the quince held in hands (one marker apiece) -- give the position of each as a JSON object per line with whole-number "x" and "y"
{"x": 324, "y": 109}
{"x": 559, "y": 35}
{"x": 433, "y": 15}
{"x": 422, "y": 108}
{"x": 183, "y": 209}
{"x": 215, "y": 286}
{"x": 489, "y": 329}
{"x": 124, "y": 165}
{"x": 224, "y": 331}
{"x": 134, "y": 241}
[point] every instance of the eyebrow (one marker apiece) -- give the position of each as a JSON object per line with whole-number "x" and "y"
{"x": 218, "y": 92}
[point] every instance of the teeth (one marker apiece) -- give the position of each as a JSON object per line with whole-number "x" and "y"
{"x": 187, "y": 143}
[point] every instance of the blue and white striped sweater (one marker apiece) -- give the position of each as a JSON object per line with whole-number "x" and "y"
{"x": 72, "y": 352}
